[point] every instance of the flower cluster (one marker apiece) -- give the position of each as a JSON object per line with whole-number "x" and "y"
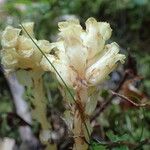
{"x": 82, "y": 57}
{"x": 18, "y": 51}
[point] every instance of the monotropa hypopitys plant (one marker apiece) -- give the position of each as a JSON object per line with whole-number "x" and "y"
{"x": 84, "y": 60}
{"x": 80, "y": 58}
{"x": 20, "y": 54}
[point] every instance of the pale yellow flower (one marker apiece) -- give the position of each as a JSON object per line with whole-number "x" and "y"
{"x": 29, "y": 26}
{"x": 10, "y": 37}
{"x": 9, "y": 58}
{"x": 81, "y": 56}
{"x": 60, "y": 61}
{"x": 19, "y": 51}
{"x": 98, "y": 71}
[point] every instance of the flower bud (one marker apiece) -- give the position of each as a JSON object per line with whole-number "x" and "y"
{"x": 95, "y": 36}
{"x": 10, "y": 37}
{"x": 29, "y": 29}
{"x": 45, "y": 46}
{"x": 97, "y": 72}
{"x": 9, "y": 58}
{"x": 19, "y": 51}
{"x": 105, "y": 30}
{"x": 70, "y": 35}
{"x": 25, "y": 47}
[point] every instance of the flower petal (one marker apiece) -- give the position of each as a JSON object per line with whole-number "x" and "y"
{"x": 70, "y": 34}
{"x": 45, "y": 46}
{"x": 29, "y": 28}
{"x": 105, "y": 30}
{"x": 9, "y": 58}
{"x": 10, "y": 37}
{"x": 25, "y": 47}
{"x": 46, "y": 66}
{"x": 92, "y": 38}
{"x": 101, "y": 69}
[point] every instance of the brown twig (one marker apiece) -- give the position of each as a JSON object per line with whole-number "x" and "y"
{"x": 130, "y": 101}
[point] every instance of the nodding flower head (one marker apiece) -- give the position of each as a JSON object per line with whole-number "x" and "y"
{"x": 19, "y": 51}
{"x": 81, "y": 56}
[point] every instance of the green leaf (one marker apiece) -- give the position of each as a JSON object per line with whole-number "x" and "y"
{"x": 121, "y": 148}
{"x": 111, "y": 136}
{"x": 115, "y": 138}
{"x": 97, "y": 146}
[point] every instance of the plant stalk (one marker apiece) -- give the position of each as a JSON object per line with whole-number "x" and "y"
{"x": 39, "y": 110}
{"x": 79, "y": 128}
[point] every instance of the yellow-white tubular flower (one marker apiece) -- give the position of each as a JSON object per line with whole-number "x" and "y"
{"x": 9, "y": 58}
{"x": 45, "y": 46}
{"x": 95, "y": 36}
{"x": 29, "y": 26}
{"x": 67, "y": 74}
{"x": 105, "y": 30}
{"x": 57, "y": 51}
{"x": 60, "y": 61}
{"x": 82, "y": 55}
{"x": 10, "y": 37}
{"x": 45, "y": 63}
{"x": 70, "y": 34}
{"x": 101, "y": 69}
{"x": 69, "y": 54}
{"x": 19, "y": 51}
{"x": 65, "y": 71}
{"x": 25, "y": 47}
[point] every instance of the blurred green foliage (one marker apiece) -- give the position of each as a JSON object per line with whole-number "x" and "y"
{"x": 129, "y": 20}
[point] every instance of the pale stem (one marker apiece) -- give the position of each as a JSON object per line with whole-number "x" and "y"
{"x": 79, "y": 128}
{"x": 40, "y": 112}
